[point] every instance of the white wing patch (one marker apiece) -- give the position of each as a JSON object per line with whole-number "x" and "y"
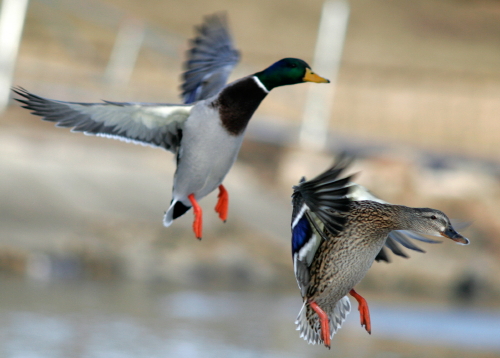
{"x": 302, "y": 261}
{"x": 306, "y": 253}
{"x": 155, "y": 116}
{"x": 299, "y": 215}
{"x": 360, "y": 193}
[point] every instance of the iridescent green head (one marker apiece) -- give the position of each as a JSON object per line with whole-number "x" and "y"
{"x": 288, "y": 71}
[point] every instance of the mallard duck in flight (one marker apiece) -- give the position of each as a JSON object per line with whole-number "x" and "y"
{"x": 335, "y": 240}
{"x": 205, "y": 133}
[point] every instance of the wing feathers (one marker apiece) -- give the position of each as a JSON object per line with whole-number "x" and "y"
{"x": 402, "y": 237}
{"x": 158, "y": 125}
{"x": 319, "y": 206}
{"x": 326, "y": 197}
{"x": 210, "y": 60}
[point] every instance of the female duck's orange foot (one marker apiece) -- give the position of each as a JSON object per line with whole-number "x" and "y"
{"x": 364, "y": 312}
{"x": 223, "y": 203}
{"x": 324, "y": 322}
{"x": 198, "y": 217}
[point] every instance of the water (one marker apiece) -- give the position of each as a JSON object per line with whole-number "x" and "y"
{"x": 124, "y": 320}
{"x": 460, "y": 327}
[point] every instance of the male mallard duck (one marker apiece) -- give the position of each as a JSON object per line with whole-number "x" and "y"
{"x": 335, "y": 240}
{"x": 206, "y": 135}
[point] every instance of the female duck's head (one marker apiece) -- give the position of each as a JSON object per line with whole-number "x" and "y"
{"x": 288, "y": 71}
{"x": 436, "y": 223}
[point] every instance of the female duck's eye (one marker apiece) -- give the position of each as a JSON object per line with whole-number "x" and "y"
{"x": 433, "y": 217}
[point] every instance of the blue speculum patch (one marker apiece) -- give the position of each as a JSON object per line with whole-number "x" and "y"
{"x": 301, "y": 233}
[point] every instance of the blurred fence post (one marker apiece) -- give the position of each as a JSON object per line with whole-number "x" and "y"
{"x": 125, "y": 51}
{"x": 331, "y": 35}
{"x": 12, "y": 15}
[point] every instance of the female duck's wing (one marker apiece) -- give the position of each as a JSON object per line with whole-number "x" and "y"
{"x": 210, "y": 60}
{"x": 325, "y": 196}
{"x": 318, "y": 208}
{"x": 158, "y": 125}
{"x": 358, "y": 193}
{"x": 402, "y": 237}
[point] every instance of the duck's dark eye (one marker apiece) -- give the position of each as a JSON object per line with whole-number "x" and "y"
{"x": 433, "y": 217}
{"x": 292, "y": 65}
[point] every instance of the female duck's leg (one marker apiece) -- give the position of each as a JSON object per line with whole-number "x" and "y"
{"x": 364, "y": 312}
{"x": 324, "y": 322}
{"x": 222, "y": 204}
{"x": 198, "y": 217}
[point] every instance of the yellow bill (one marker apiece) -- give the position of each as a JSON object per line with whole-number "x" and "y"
{"x": 310, "y": 76}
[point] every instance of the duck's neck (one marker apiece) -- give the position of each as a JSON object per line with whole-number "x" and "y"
{"x": 271, "y": 79}
{"x": 400, "y": 217}
{"x": 414, "y": 219}
{"x": 388, "y": 217}
{"x": 238, "y": 101}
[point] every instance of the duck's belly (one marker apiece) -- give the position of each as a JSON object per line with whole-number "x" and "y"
{"x": 345, "y": 268}
{"x": 208, "y": 153}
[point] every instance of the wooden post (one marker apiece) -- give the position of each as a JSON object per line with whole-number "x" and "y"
{"x": 125, "y": 51}
{"x": 12, "y": 15}
{"x": 331, "y": 35}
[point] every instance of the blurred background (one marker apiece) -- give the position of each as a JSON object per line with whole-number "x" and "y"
{"x": 88, "y": 270}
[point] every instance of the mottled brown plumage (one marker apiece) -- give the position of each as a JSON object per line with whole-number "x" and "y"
{"x": 342, "y": 260}
{"x": 338, "y": 230}
{"x": 345, "y": 258}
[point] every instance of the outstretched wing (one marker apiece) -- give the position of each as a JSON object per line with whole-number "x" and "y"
{"x": 402, "y": 237}
{"x": 158, "y": 125}
{"x": 210, "y": 60}
{"x": 395, "y": 238}
{"x": 318, "y": 205}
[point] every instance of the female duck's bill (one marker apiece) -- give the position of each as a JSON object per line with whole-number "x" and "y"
{"x": 451, "y": 233}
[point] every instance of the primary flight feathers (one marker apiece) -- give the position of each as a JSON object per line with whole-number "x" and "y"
{"x": 158, "y": 125}
{"x": 211, "y": 60}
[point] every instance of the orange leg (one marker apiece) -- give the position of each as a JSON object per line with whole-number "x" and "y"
{"x": 364, "y": 312}
{"x": 198, "y": 217}
{"x": 324, "y": 322}
{"x": 222, "y": 204}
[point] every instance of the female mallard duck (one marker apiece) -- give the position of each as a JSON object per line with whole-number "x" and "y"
{"x": 205, "y": 135}
{"x": 335, "y": 240}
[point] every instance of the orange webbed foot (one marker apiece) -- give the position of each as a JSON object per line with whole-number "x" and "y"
{"x": 198, "y": 217}
{"x": 324, "y": 322}
{"x": 223, "y": 203}
{"x": 364, "y": 312}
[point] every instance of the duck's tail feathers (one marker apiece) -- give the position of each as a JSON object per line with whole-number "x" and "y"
{"x": 308, "y": 322}
{"x": 175, "y": 210}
